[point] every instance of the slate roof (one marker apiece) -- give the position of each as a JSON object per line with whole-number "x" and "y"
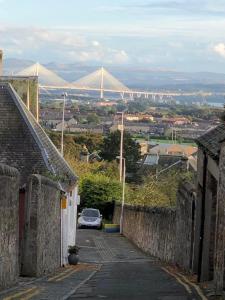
{"x": 211, "y": 140}
{"x": 53, "y": 160}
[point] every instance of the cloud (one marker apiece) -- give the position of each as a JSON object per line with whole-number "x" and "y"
{"x": 177, "y": 7}
{"x": 58, "y": 44}
{"x": 220, "y": 49}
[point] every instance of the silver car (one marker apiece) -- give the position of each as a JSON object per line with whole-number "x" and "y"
{"x": 90, "y": 217}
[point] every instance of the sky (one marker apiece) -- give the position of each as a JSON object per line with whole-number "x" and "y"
{"x": 180, "y": 35}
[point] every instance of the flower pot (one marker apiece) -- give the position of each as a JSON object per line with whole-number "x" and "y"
{"x": 73, "y": 259}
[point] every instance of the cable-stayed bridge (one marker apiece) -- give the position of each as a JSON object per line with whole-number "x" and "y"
{"x": 99, "y": 81}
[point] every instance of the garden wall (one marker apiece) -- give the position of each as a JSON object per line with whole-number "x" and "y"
{"x": 9, "y": 232}
{"x": 40, "y": 253}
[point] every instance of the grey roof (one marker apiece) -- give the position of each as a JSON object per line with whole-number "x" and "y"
{"x": 151, "y": 159}
{"x": 211, "y": 140}
{"x": 53, "y": 160}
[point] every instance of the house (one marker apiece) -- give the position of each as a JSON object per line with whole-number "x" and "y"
{"x": 176, "y": 121}
{"x": 144, "y": 146}
{"x": 68, "y": 125}
{"x": 81, "y": 128}
{"x": 138, "y": 117}
{"x": 106, "y": 104}
{"x": 25, "y": 146}
{"x": 208, "y": 257}
{"x": 173, "y": 149}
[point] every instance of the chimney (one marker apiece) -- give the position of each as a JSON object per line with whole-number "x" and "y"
{"x": 1, "y": 57}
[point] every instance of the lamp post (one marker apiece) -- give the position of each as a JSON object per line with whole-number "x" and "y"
{"x": 123, "y": 195}
{"x": 121, "y": 128}
{"x": 63, "y": 121}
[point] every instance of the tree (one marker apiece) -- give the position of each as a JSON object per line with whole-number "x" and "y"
{"x": 99, "y": 191}
{"x": 93, "y": 141}
{"x": 137, "y": 106}
{"x": 98, "y": 188}
{"x": 111, "y": 149}
{"x": 161, "y": 192}
{"x": 93, "y": 118}
{"x": 71, "y": 148}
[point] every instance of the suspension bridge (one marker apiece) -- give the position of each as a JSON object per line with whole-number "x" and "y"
{"x": 99, "y": 81}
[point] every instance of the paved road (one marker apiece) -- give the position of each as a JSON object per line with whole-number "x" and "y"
{"x": 125, "y": 272}
{"x": 110, "y": 268}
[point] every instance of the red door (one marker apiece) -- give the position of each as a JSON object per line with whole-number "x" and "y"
{"x": 21, "y": 214}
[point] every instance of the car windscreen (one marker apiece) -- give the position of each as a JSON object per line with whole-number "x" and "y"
{"x": 90, "y": 213}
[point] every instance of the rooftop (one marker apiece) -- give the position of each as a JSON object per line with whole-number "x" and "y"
{"x": 210, "y": 141}
{"x": 50, "y": 155}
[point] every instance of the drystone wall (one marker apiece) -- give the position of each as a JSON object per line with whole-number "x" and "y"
{"x": 42, "y": 237}
{"x": 9, "y": 219}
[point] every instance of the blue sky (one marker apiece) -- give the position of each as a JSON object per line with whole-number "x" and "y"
{"x": 183, "y": 35}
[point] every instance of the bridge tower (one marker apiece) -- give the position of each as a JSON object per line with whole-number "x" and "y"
{"x": 102, "y": 84}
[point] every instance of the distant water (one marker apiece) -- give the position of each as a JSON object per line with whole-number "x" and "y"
{"x": 216, "y": 104}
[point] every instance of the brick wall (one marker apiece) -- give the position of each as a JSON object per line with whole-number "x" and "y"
{"x": 40, "y": 253}
{"x": 166, "y": 233}
{"x": 9, "y": 234}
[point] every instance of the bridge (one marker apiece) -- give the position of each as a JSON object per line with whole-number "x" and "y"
{"x": 99, "y": 81}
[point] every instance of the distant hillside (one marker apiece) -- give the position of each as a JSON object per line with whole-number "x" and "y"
{"x": 132, "y": 77}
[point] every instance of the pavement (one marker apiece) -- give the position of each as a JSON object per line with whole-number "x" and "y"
{"x": 110, "y": 268}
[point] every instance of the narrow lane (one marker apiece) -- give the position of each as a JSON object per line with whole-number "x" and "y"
{"x": 126, "y": 272}
{"x": 110, "y": 268}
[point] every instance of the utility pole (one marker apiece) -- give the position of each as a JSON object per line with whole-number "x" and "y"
{"x": 37, "y": 99}
{"x": 28, "y": 94}
{"x": 121, "y": 145}
{"x": 63, "y": 121}
{"x": 123, "y": 195}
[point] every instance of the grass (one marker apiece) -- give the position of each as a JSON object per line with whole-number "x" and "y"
{"x": 163, "y": 141}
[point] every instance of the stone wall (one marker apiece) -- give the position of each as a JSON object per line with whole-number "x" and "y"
{"x": 9, "y": 233}
{"x": 40, "y": 253}
{"x": 152, "y": 229}
{"x": 185, "y": 222}
{"x": 166, "y": 233}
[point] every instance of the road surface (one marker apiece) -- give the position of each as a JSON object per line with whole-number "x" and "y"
{"x": 110, "y": 268}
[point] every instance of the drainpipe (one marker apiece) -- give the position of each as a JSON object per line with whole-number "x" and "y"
{"x": 202, "y": 217}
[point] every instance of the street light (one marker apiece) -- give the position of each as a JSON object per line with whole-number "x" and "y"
{"x": 63, "y": 120}
{"x": 121, "y": 128}
{"x": 123, "y": 193}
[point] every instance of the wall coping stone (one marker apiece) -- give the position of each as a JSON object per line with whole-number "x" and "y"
{"x": 149, "y": 209}
{"x": 39, "y": 179}
{"x": 187, "y": 188}
{"x": 8, "y": 171}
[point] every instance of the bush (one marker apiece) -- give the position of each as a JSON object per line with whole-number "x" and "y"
{"x": 99, "y": 191}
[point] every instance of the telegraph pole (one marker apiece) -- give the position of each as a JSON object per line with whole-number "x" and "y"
{"x": 63, "y": 121}
{"x": 121, "y": 146}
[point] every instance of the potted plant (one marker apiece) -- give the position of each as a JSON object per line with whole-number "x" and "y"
{"x": 73, "y": 257}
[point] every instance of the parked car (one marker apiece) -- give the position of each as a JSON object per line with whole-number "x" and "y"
{"x": 90, "y": 217}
